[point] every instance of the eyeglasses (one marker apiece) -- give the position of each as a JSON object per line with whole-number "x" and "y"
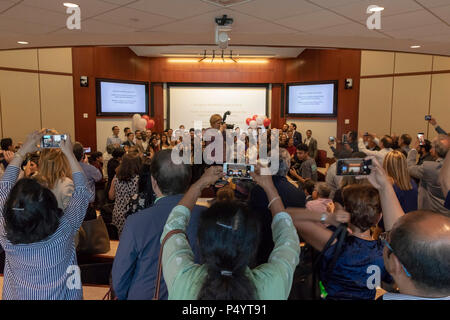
{"x": 385, "y": 238}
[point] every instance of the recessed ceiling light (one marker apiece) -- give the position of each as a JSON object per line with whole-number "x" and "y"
{"x": 415, "y": 47}
{"x": 22, "y": 42}
{"x": 70, "y": 5}
{"x": 376, "y": 9}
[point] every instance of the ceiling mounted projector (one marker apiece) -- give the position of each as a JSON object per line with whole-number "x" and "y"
{"x": 223, "y": 27}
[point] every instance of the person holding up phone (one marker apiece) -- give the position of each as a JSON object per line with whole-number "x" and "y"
{"x": 385, "y": 144}
{"x": 430, "y": 193}
{"x": 434, "y": 123}
{"x": 37, "y": 236}
{"x": 227, "y": 239}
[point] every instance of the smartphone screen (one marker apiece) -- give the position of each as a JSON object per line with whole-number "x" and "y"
{"x": 353, "y": 167}
{"x": 344, "y": 138}
{"x": 87, "y": 150}
{"x": 331, "y": 139}
{"x": 52, "y": 141}
{"x": 428, "y": 117}
{"x": 421, "y": 138}
{"x": 239, "y": 171}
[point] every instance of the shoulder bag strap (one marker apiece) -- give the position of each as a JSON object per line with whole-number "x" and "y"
{"x": 158, "y": 277}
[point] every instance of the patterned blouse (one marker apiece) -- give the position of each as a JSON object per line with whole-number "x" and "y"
{"x": 273, "y": 280}
{"x": 124, "y": 191}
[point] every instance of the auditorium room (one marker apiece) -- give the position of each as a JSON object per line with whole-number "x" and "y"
{"x": 225, "y": 150}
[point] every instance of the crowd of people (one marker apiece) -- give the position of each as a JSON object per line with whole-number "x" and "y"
{"x": 246, "y": 243}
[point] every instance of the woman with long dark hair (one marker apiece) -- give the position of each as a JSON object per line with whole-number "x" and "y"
{"x": 37, "y": 235}
{"x": 228, "y": 236}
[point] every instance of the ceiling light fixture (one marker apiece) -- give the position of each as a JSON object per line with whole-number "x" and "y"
{"x": 415, "y": 47}
{"x": 376, "y": 9}
{"x": 70, "y": 5}
{"x": 23, "y": 42}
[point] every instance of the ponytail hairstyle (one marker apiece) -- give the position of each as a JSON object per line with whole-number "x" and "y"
{"x": 228, "y": 236}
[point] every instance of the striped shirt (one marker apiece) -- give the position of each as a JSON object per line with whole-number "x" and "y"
{"x": 45, "y": 270}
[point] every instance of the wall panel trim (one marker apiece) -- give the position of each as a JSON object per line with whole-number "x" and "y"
{"x": 405, "y": 74}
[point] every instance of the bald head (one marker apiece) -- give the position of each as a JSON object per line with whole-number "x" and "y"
{"x": 421, "y": 241}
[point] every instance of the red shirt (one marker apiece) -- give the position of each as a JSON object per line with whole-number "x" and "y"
{"x": 291, "y": 150}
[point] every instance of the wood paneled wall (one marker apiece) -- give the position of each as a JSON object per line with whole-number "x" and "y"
{"x": 319, "y": 65}
{"x": 122, "y": 63}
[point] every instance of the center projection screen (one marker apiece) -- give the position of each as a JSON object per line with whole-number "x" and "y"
{"x": 190, "y": 105}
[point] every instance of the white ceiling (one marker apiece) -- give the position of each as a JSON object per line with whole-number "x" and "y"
{"x": 257, "y": 23}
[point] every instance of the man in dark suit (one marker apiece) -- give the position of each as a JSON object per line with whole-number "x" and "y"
{"x": 135, "y": 265}
{"x": 312, "y": 144}
{"x": 291, "y": 197}
{"x": 297, "y": 135}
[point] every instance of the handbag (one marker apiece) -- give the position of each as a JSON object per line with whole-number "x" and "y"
{"x": 158, "y": 277}
{"x": 93, "y": 237}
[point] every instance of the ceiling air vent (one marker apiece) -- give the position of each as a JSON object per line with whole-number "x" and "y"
{"x": 226, "y": 3}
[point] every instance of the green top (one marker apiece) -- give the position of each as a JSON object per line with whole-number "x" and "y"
{"x": 273, "y": 280}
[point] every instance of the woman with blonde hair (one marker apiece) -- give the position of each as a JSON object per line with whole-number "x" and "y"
{"x": 56, "y": 175}
{"x": 404, "y": 186}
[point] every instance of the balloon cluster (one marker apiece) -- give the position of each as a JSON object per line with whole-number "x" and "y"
{"x": 139, "y": 122}
{"x": 258, "y": 120}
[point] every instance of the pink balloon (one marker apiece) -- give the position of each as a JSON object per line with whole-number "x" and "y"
{"x": 255, "y": 116}
{"x": 266, "y": 122}
{"x": 247, "y": 121}
{"x": 150, "y": 124}
{"x": 146, "y": 117}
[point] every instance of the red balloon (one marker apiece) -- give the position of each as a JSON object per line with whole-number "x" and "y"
{"x": 150, "y": 124}
{"x": 146, "y": 117}
{"x": 248, "y": 121}
{"x": 266, "y": 122}
{"x": 254, "y": 117}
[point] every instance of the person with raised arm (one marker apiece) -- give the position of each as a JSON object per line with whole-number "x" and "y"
{"x": 37, "y": 236}
{"x": 227, "y": 239}
{"x": 363, "y": 205}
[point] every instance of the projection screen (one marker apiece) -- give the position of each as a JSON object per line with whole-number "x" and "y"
{"x": 190, "y": 104}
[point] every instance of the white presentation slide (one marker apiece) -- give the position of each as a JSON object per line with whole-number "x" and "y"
{"x": 196, "y": 104}
{"x": 313, "y": 99}
{"x": 123, "y": 97}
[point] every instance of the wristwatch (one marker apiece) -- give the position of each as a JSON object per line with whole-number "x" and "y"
{"x": 323, "y": 218}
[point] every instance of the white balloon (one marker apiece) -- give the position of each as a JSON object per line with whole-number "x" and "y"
{"x": 263, "y": 116}
{"x": 142, "y": 123}
{"x": 253, "y": 124}
{"x": 134, "y": 121}
{"x": 259, "y": 121}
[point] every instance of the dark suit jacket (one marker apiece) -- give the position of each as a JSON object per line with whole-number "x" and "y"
{"x": 291, "y": 197}
{"x": 312, "y": 148}
{"x": 297, "y": 138}
{"x": 135, "y": 265}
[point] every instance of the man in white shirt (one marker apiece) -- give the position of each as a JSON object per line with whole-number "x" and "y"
{"x": 385, "y": 145}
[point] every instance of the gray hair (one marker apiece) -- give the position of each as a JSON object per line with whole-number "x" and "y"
{"x": 440, "y": 148}
{"x": 285, "y": 163}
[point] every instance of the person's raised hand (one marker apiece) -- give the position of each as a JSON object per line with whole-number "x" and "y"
{"x": 263, "y": 180}
{"x": 9, "y": 155}
{"x": 433, "y": 121}
{"x": 211, "y": 175}
{"x": 377, "y": 177}
{"x": 31, "y": 143}
{"x": 66, "y": 146}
